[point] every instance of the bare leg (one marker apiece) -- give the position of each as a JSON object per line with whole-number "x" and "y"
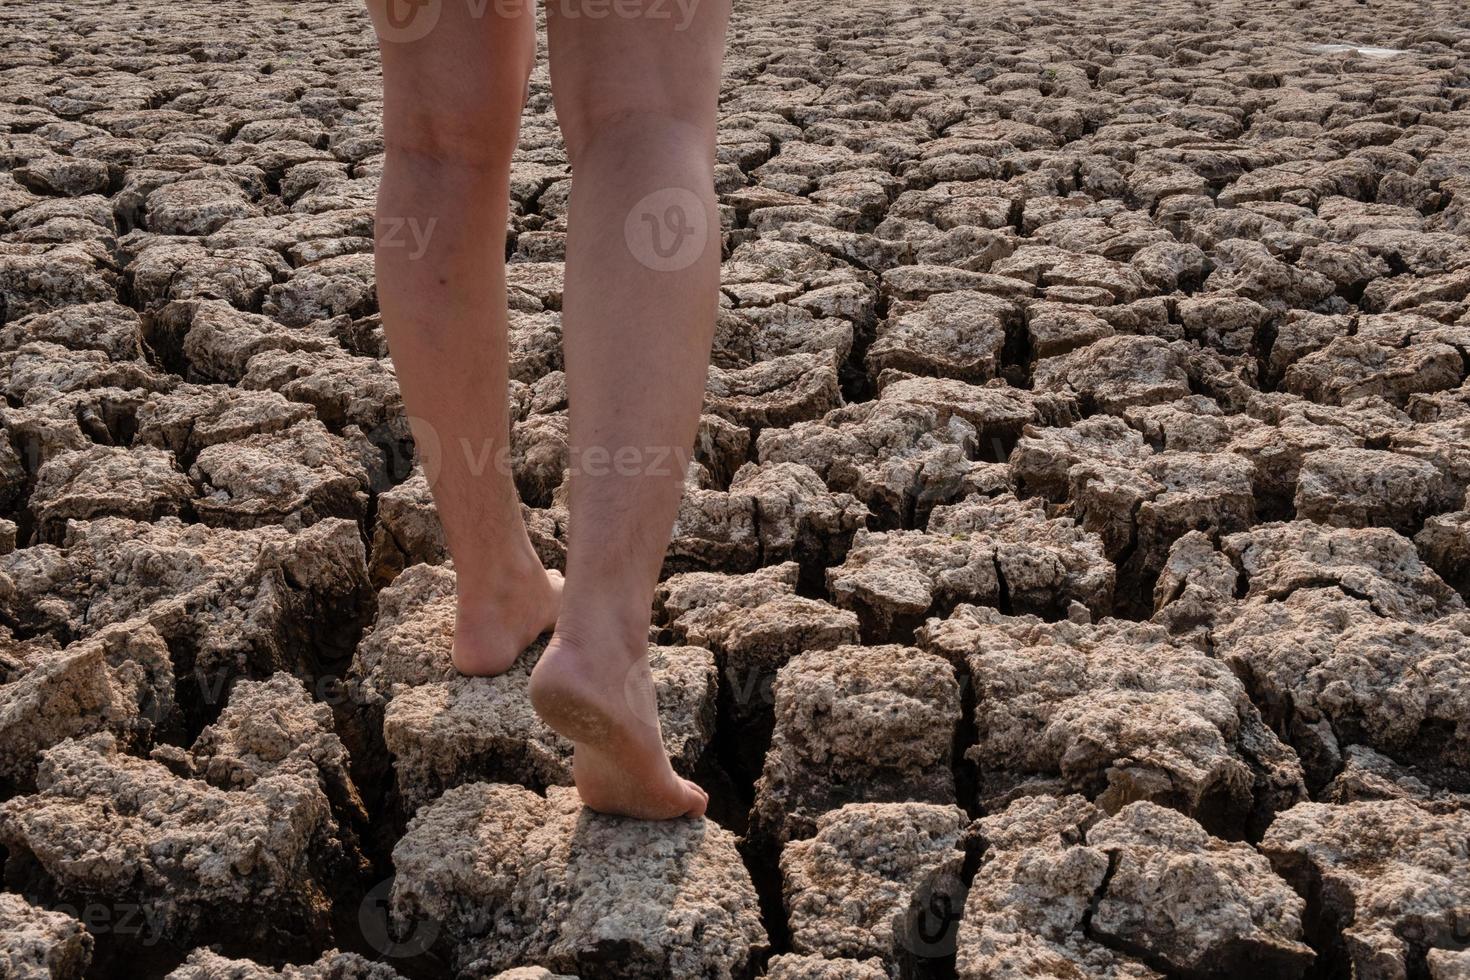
{"x": 452, "y": 100}
{"x": 636, "y": 92}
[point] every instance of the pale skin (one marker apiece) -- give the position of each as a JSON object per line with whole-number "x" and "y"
{"x": 635, "y": 87}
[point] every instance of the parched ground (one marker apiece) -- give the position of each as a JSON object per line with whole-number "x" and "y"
{"x": 1073, "y": 583}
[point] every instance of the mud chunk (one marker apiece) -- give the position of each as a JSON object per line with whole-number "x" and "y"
{"x": 190, "y": 852}
{"x": 796, "y": 516}
{"x": 1223, "y": 321}
{"x": 775, "y": 393}
{"x": 1044, "y": 456}
{"x": 333, "y": 286}
{"x": 1301, "y": 333}
{"x": 1094, "y": 887}
{"x": 1365, "y": 487}
{"x": 236, "y": 602}
{"x": 790, "y": 966}
{"x": 113, "y": 329}
{"x": 40, "y": 371}
{"x": 407, "y": 529}
{"x": 1046, "y": 265}
{"x": 892, "y": 579}
{"x": 1374, "y": 564}
{"x": 1441, "y": 444}
{"x": 1444, "y": 545}
{"x": 672, "y": 898}
{"x": 949, "y": 335}
{"x": 899, "y": 459}
{"x": 721, "y": 447}
{"x": 1369, "y": 775}
{"x": 884, "y": 859}
{"x": 1447, "y": 964}
{"x": 755, "y": 624}
{"x": 540, "y": 453}
{"x": 215, "y": 342}
{"x": 1168, "y": 266}
{"x": 1118, "y": 712}
{"x": 273, "y": 725}
{"x": 198, "y": 207}
{"x": 1227, "y": 911}
{"x": 1388, "y": 881}
{"x": 919, "y": 282}
{"x": 205, "y": 964}
{"x": 1401, "y": 293}
{"x": 1350, "y": 267}
{"x": 1330, "y": 672}
{"x": 38, "y": 944}
{"x": 70, "y": 176}
{"x": 998, "y": 412}
{"x": 294, "y": 477}
{"x": 121, "y": 680}
{"x": 1353, "y": 367}
{"x": 1275, "y": 455}
{"x": 1193, "y": 425}
{"x": 973, "y": 552}
{"x": 1053, "y": 329}
{"x": 191, "y": 418}
{"x": 772, "y": 512}
{"x": 1249, "y": 269}
{"x": 142, "y": 484}
{"x": 1028, "y": 907}
{"x": 1115, "y": 373}
{"x": 342, "y": 388}
{"x": 1140, "y": 511}
{"x": 535, "y": 345}
{"x": 713, "y": 529}
{"x": 1370, "y": 419}
{"x": 37, "y": 278}
{"x": 761, "y": 333}
{"x": 856, "y": 725}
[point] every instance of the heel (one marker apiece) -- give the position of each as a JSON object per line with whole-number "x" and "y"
{"x": 569, "y": 714}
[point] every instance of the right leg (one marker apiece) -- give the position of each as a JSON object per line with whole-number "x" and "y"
{"x": 636, "y": 96}
{"x": 453, "y": 88}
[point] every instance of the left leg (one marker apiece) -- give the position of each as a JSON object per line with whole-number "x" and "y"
{"x": 453, "y": 88}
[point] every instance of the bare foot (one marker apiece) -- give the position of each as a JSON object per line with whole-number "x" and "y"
{"x": 603, "y": 700}
{"x": 491, "y": 629}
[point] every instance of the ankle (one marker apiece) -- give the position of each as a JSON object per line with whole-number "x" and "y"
{"x": 506, "y": 581}
{"x": 620, "y": 637}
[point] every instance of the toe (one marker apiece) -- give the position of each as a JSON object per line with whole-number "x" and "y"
{"x": 695, "y": 799}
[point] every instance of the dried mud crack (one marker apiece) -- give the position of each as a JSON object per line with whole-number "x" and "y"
{"x": 1071, "y": 582}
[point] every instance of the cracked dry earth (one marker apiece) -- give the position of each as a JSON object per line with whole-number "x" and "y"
{"x": 1072, "y": 584}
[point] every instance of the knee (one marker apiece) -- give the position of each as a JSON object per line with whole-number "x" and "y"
{"x": 594, "y": 128}
{"x": 471, "y": 127}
